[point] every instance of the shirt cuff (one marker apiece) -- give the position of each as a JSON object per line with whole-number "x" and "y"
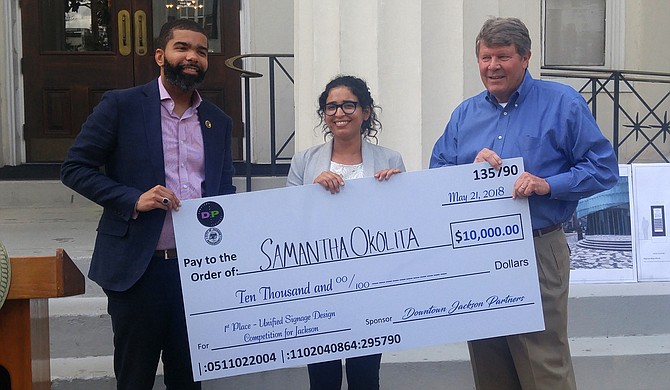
{"x": 557, "y": 185}
{"x": 135, "y": 212}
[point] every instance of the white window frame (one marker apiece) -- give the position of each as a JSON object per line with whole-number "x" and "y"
{"x": 615, "y": 35}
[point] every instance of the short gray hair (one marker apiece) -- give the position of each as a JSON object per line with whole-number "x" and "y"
{"x": 504, "y": 32}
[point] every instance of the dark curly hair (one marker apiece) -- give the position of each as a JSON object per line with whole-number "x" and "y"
{"x": 359, "y": 88}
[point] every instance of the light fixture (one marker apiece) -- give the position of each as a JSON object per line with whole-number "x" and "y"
{"x": 185, "y": 4}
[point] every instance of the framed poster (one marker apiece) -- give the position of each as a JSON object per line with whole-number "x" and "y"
{"x": 652, "y": 202}
{"x": 601, "y": 237}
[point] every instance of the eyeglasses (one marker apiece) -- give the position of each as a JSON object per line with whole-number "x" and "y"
{"x": 347, "y": 108}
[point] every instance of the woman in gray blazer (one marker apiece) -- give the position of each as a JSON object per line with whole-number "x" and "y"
{"x": 349, "y": 122}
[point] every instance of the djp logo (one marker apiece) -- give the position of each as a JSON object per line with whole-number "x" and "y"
{"x": 210, "y": 214}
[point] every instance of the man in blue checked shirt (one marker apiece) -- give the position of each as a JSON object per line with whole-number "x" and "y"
{"x": 566, "y": 158}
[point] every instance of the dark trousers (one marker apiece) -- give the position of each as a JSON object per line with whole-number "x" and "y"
{"x": 147, "y": 320}
{"x": 362, "y": 373}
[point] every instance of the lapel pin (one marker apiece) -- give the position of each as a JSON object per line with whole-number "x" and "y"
{"x": 208, "y": 124}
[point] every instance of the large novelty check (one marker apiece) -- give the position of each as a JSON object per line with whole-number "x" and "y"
{"x": 291, "y": 276}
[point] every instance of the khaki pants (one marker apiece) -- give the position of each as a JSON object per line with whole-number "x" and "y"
{"x": 538, "y": 360}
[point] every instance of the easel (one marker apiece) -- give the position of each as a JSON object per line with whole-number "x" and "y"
{"x": 24, "y": 318}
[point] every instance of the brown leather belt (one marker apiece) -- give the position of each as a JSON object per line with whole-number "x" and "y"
{"x": 166, "y": 254}
{"x": 547, "y": 230}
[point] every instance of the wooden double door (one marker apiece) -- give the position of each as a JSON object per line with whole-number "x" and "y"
{"x": 75, "y": 50}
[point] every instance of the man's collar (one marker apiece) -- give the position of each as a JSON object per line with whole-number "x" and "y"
{"x": 524, "y": 88}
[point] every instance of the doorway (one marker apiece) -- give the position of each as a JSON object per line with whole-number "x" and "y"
{"x": 75, "y": 50}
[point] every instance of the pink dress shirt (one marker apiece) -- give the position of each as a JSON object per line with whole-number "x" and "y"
{"x": 183, "y": 156}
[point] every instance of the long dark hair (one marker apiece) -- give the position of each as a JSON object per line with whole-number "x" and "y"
{"x": 359, "y": 88}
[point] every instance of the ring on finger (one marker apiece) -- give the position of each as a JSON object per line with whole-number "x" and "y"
{"x": 165, "y": 201}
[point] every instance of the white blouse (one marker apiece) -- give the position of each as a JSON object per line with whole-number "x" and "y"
{"x": 347, "y": 172}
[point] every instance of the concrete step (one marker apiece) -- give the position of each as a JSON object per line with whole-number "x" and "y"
{"x": 80, "y": 325}
{"x": 620, "y": 333}
{"x": 602, "y": 363}
{"x": 38, "y": 216}
{"x": 53, "y": 193}
{"x": 619, "y": 309}
{"x": 622, "y": 246}
{"x": 620, "y": 339}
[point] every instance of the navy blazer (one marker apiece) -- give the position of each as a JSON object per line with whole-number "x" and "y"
{"x": 123, "y": 137}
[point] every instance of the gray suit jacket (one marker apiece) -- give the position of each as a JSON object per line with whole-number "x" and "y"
{"x": 309, "y": 163}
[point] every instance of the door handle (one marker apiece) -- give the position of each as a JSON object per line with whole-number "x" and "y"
{"x": 123, "y": 21}
{"x": 141, "y": 44}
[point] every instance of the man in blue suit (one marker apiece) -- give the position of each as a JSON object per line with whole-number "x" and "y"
{"x": 158, "y": 143}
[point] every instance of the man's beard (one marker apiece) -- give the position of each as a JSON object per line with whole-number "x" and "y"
{"x": 176, "y": 76}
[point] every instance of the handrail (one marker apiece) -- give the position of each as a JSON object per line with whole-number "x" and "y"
{"x": 273, "y": 61}
{"x": 602, "y": 74}
{"x": 230, "y": 63}
{"x": 606, "y": 71}
{"x": 650, "y": 124}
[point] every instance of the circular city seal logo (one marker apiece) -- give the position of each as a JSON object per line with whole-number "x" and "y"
{"x": 213, "y": 236}
{"x": 5, "y": 273}
{"x": 210, "y": 214}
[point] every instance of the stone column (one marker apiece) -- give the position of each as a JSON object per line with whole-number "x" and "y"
{"x": 417, "y": 57}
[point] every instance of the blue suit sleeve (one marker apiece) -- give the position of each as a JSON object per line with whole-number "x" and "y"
{"x": 226, "y": 186}
{"x": 91, "y": 150}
